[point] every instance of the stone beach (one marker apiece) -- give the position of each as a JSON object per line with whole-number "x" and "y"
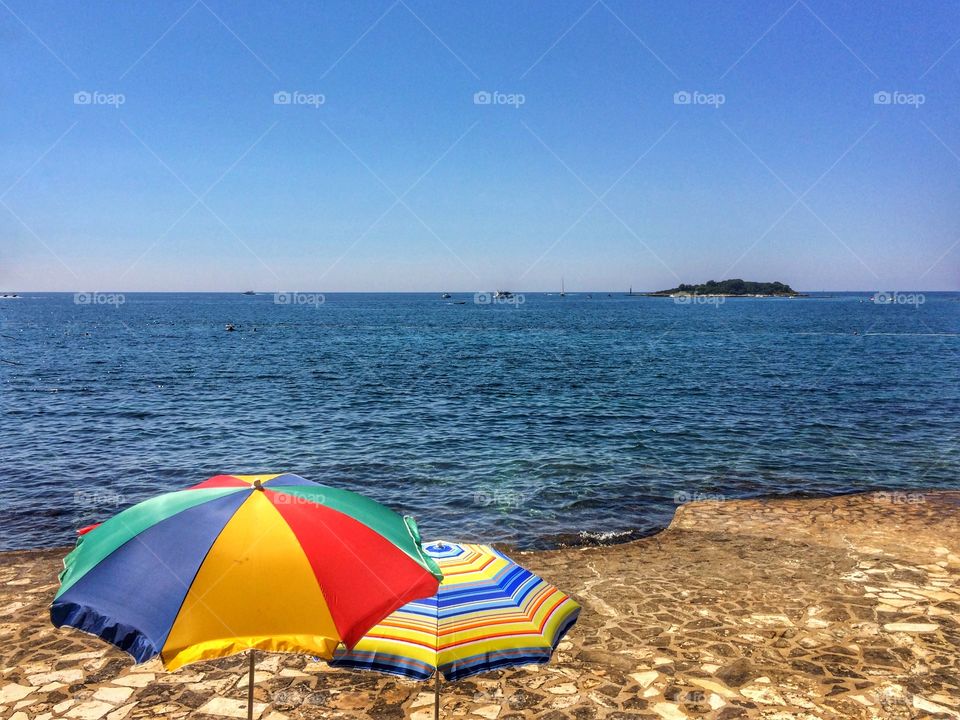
{"x": 846, "y": 607}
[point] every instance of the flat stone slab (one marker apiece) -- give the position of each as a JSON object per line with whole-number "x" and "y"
{"x": 228, "y": 707}
{"x": 113, "y": 695}
{"x": 13, "y": 692}
{"x": 90, "y": 710}
{"x": 911, "y": 627}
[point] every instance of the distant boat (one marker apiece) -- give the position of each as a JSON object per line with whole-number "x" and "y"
{"x": 502, "y": 295}
{"x": 446, "y": 296}
{"x": 249, "y": 292}
{"x": 562, "y": 293}
{"x": 230, "y": 327}
{"x": 9, "y": 296}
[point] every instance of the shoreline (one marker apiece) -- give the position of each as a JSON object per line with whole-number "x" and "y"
{"x": 685, "y": 296}
{"x": 611, "y": 538}
{"x": 846, "y": 606}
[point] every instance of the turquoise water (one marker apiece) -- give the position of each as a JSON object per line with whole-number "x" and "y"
{"x": 546, "y": 421}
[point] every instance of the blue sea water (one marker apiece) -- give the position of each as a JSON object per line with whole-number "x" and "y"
{"x": 546, "y": 421}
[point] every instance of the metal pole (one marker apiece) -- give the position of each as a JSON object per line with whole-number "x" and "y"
{"x": 436, "y": 696}
{"x": 253, "y": 652}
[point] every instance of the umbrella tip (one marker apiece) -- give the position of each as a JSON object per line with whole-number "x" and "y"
{"x": 258, "y": 485}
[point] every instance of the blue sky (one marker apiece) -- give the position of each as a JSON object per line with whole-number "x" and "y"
{"x": 182, "y": 172}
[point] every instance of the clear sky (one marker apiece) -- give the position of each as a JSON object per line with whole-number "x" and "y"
{"x": 181, "y": 169}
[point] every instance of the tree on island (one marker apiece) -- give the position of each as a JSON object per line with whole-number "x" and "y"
{"x": 731, "y": 287}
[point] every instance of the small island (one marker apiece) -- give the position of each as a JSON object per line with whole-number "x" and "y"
{"x": 731, "y": 288}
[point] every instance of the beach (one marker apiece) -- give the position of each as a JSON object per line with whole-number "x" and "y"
{"x": 845, "y": 607}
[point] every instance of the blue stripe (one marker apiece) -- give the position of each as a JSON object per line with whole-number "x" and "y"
{"x": 495, "y": 660}
{"x": 507, "y": 577}
{"x": 289, "y": 480}
{"x": 564, "y": 627}
{"x": 383, "y": 662}
{"x": 491, "y": 598}
{"x": 496, "y": 587}
{"x": 132, "y": 597}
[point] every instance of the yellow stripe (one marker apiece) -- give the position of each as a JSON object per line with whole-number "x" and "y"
{"x": 418, "y": 648}
{"x": 255, "y": 589}
{"x": 533, "y": 640}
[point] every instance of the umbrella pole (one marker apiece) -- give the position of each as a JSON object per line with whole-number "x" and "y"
{"x": 253, "y": 653}
{"x": 436, "y": 696}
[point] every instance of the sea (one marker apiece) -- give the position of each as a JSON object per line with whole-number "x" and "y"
{"x": 536, "y": 420}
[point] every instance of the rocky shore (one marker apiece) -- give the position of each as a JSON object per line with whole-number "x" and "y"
{"x": 846, "y": 607}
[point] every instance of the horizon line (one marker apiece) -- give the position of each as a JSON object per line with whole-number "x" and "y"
{"x": 422, "y": 292}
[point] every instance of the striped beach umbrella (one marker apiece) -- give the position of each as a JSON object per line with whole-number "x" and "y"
{"x": 488, "y": 613}
{"x": 238, "y": 562}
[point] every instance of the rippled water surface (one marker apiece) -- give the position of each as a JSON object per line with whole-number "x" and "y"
{"x": 556, "y": 420}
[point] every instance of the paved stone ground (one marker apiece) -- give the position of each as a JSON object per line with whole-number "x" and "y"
{"x": 840, "y": 608}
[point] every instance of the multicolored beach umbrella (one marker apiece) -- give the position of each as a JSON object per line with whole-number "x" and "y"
{"x": 240, "y": 562}
{"x": 489, "y": 613}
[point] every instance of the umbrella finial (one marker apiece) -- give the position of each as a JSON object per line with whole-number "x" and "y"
{"x": 258, "y": 485}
